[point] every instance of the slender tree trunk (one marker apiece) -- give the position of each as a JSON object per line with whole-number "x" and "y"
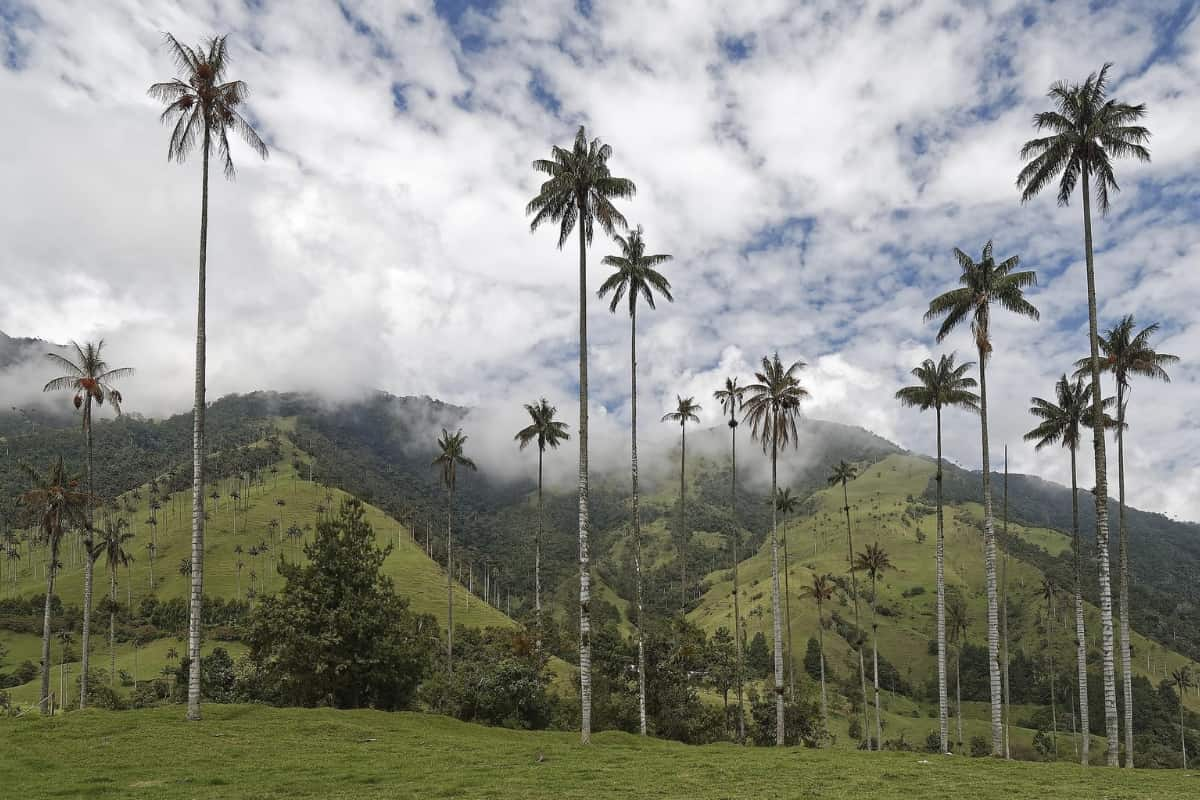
{"x": 875, "y": 659}
{"x": 989, "y": 560}
{"x": 862, "y": 667}
{"x": 46, "y": 706}
{"x": 1053, "y": 697}
{"x": 89, "y": 565}
{"x": 682, "y": 519}
{"x": 775, "y": 610}
{"x": 821, "y": 641}
{"x": 1182, "y": 731}
{"x": 197, "y": 592}
{"x": 737, "y": 611}
{"x": 943, "y": 725}
{"x": 585, "y": 598}
{"x": 1080, "y": 636}
{"x": 537, "y": 558}
{"x": 450, "y": 576}
{"x": 637, "y": 525}
{"x": 787, "y": 612}
{"x": 112, "y": 626}
{"x": 958, "y": 695}
{"x": 1123, "y": 566}
{"x": 1004, "y": 619}
{"x": 1102, "y": 539}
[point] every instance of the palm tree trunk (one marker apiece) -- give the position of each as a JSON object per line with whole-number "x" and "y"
{"x": 450, "y": 576}
{"x": 1102, "y": 540}
{"x": 737, "y": 611}
{"x": 1053, "y": 697}
{"x": 44, "y": 702}
{"x": 862, "y": 667}
{"x": 958, "y": 695}
{"x": 989, "y": 560}
{"x": 682, "y": 519}
{"x": 537, "y": 558}
{"x": 1004, "y": 619}
{"x": 775, "y": 610}
{"x": 1123, "y": 566}
{"x": 112, "y": 626}
{"x": 875, "y": 659}
{"x": 637, "y": 524}
{"x": 88, "y": 565}
{"x": 787, "y": 612}
{"x": 1182, "y": 731}
{"x": 943, "y": 723}
{"x": 585, "y": 627}
{"x": 197, "y": 591}
{"x": 1080, "y": 636}
{"x": 821, "y": 641}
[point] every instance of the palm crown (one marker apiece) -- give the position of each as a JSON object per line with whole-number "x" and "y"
{"x": 873, "y": 561}
{"x": 685, "y": 411}
{"x": 842, "y": 472}
{"x": 452, "y": 457}
{"x": 200, "y": 105}
{"x": 1126, "y": 354}
{"x": 1087, "y": 130}
{"x": 983, "y": 283}
{"x": 774, "y": 403}
{"x": 786, "y": 502}
{"x": 730, "y": 398}
{"x": 580, "y": 189}
{"x": 634, "y": 272}
{"x": 88, "y": 376}
{"x": 543, "y": 427}
{"x": 1061, "y": 421}
{"x": 941, "y": 385}
{"x": 55, "y": 501}
{"x": 821, "y": 588}
{"x": 112, "y": 543}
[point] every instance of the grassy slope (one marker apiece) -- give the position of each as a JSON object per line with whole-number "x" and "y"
{"x": 359, "y": 754}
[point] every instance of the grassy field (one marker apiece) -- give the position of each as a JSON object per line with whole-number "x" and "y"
{"x": 262, "y": 753}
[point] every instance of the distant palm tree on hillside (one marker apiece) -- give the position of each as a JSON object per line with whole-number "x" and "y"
{"x": 685, "y": 412}
{"x": 958, "y": 620}
{"x": 115, "y": 537}
{"x": 842, "y": 474}
{"x": 786, "y": 504}
{"x": 448, "y": 461}
{"x": 874, "y": 560}
{"x": 820, "y": 590}
{"x": 1182, "y": 678}
{"x": 730, "y": 398}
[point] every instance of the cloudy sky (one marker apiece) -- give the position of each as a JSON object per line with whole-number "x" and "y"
{"x": 810, "y": 167}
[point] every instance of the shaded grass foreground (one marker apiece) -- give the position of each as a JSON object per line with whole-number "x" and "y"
{"x": 260, "y": 752}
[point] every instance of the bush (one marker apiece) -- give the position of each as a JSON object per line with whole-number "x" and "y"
{"x": 933, "y": 742}
{"x": 149, "y": 694}
{"x": 980, "y": 747}
{"x": 915, "y": 591}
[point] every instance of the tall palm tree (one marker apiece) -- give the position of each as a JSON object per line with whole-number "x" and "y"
{"x": 544, "y": 430}
{"x": 958, "y": 620}
{"x": 448, "y": 461}
{"x": 685, "y": 412}
{"x": 90, "y": 378}
{"x": 113, "y": 539}
{"x": 985, "y": 282}
{"x": 1182, "y": 678}
{"x": 820, "y": 590}
{"x": 843, "y": 473}
{"x": 635, "y": 275}
{"x": 772, "y": 409}
{"x": 1126, "y": 354}
{"x": 1050, "y": 594}
{"x": 56, "y": 504}
{"x": 730, "y": 398}
{"x": 202, "y": 106}
{"x": 941, "y": 385}
{"x": 786, "y": 504}
{"x": 1061, "y": 422}
{"x": 874, "y": 560}
{"x": 580, "y": 189}
{"x": 1087, "y": 131}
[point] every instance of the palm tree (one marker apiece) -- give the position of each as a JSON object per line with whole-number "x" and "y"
{"x": 874, "y": 560}
{"x": 842, "y": 474}
{"x": 820, "y": 590}
{"x": 958, "y": 620}
{"x": 772, "y": 409}
{"x": 580, "y": 189}
{"x": 1182, "y": 678}
{"x": 56, "y": 504}
{"x": 1049, "y": 593}
{"x": 730, "y": 398}
{"x": 635, "y": 274}
{"x": 1087, "y": 131}
{"x": 685, "y": 412}
{"x": 983, "y": 283}
{"x": 786, "y": 504}
{"x": 112, "y": 545}
{"x": 546, "y": 431}
{"x": 1061, "y": 422}
{"x": 448, "y": 461}
{"x": 90, "y": 378}
{"x": 941, "y": 385}
{"x": 1127, "y": 354}
{"x": 202, "y": 106}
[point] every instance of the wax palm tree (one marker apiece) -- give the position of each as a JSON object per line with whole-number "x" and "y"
{"x": 874, "y": 561}
{"x": 202, "y": 106}
{"x": 113, "y": 540}
{"x": 941, "y": 385}
{"x": 635, "y": 275}
{"x": 57, "y": 504}
{"x": 90, "y": 379}
{"x": 842, "y": 474}
{"x": 772, "y": 409}
{"x": 820, "y": 590}
{"x": 958, "y": 620}
{"x": 544, "y": 430}
{"x": 1049, "y": 592}
{"x": 1088, "y": 130}
{"x": 580, "y": 189}
{"x": 685, "y": 412}
{"x": 985, "y": 283}
{"x": 448, "y": 461}
{"x": 1182, "y": 678}
{"x": 730, "y": 398}
{"x": 786, "y": 504}
{"x": 1127, "y": 353}
{"x": 1060, "y": 423}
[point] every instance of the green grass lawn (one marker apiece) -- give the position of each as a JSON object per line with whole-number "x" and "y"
{"x": 262, "y": 753}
